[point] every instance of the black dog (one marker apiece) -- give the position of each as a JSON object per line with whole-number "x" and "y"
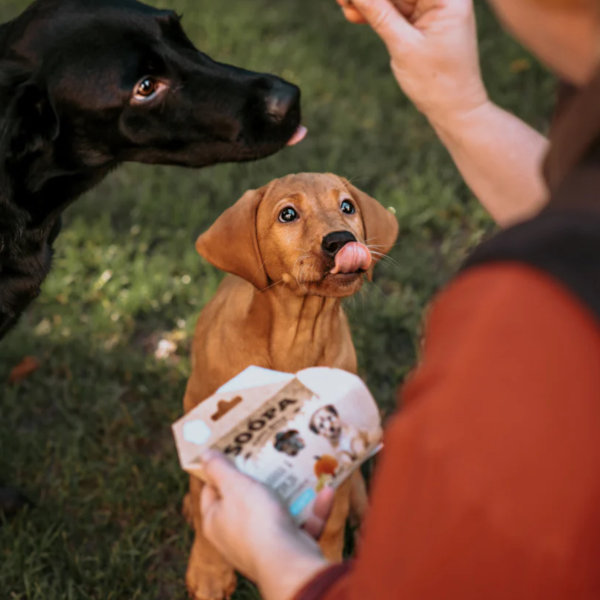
{"x": 88, "y": 84}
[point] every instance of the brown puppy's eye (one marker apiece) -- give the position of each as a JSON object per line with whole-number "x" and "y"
{"x": 347, "y": 207}
{"x": 146, "y": 88}
{"x": 287, "y": 215}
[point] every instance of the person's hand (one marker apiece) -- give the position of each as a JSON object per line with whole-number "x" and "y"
{"x": 433, "y": 50}
{"x": 255, "y": 533}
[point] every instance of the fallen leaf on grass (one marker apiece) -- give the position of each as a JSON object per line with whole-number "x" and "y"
{"x": 24, "y": 369}
{"x": 520, "y": 65}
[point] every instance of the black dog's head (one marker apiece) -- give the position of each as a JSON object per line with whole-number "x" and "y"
{"x": 92, "y": 83}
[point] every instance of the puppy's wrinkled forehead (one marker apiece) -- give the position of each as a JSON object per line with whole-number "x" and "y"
{"x": 309, "y": 185}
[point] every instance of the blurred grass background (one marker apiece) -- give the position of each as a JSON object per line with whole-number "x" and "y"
{"x": 88, "y": 435}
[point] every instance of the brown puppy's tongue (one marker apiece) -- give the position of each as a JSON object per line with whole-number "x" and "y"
{"x": 351, "y": 258}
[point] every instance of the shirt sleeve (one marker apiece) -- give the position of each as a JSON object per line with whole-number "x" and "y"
{"x": 489, "y": 483}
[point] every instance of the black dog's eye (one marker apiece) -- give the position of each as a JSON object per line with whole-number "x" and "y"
{"x": 287, "y": 215}
{"x": 347, "y": 207}
{"x": 146, "y": 88}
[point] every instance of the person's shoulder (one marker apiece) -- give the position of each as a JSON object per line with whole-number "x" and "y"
{"x": 505, "y": 302}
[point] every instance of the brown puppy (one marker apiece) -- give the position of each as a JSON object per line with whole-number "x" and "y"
{"x": 295, "y": 248}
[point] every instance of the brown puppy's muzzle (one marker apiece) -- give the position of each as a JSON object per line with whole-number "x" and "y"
{"x": 344, "y": 254}
{"x": 333, "y": 242}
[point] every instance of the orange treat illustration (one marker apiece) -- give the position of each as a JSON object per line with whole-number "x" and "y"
{"x": 326, "y": 465}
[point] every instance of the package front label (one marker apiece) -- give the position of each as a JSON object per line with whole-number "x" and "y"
{"x": 295, "y": 436}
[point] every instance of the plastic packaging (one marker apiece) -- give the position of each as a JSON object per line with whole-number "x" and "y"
{"x": 295, "y": 433}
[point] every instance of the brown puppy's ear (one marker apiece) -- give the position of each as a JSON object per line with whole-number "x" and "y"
{"x": 231, "y": 243}
{"x": 381, "y": 226}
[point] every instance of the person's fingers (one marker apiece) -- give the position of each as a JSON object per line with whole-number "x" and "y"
{"x": 385, "y": 18}
{"x": 324, "y": 503}
{"x": 315, "y": 524}
{"x": 221, "y": 472}
{"x": 350, "y": 12}
{"x": 208, "y": 499}
{"x": 354, "y": 16}
{"x": 406, "y": 7}
{"x": 314, "y": 527}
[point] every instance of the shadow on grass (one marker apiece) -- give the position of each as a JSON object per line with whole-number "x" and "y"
{"x": 87, "y": 437}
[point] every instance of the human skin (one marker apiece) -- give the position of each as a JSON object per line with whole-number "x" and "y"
{"x": 433, "y": 50}
{"x": 434, "y": 58}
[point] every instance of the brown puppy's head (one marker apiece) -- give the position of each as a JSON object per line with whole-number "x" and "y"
{"x": 316, "y": 233}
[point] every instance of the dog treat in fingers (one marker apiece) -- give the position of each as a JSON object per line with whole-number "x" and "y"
{"x": 397, "y": 3}
{"x": 294, "y": 433}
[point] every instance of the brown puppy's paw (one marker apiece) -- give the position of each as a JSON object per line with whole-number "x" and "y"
{"x": 333, "y": 548}
{"x": 210, "y": 584}
{"x": 186, "y": 509}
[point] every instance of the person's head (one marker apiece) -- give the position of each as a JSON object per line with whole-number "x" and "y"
{"x": 565, "y": 34}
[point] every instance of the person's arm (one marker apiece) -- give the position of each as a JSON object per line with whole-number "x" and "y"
{"x": 499, "y": 157}
{"x": 434, "y": 58}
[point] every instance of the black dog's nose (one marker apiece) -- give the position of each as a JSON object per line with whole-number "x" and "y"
{"x": 335, "y": 240}
{"x": 281, "y": 98}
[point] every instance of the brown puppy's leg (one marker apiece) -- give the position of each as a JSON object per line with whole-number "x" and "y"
{"x": 359, "y": 504}
{"x": 359, "y": 498}
{"x": 186, "y": 509}
{"x": 332, "y": 538}
{"x": 208, "y": 576}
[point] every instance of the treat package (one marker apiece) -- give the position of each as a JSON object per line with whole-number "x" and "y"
{"x": 294, "y": 433}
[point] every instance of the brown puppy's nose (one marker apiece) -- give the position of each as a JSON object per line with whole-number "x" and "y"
{"x": 335, "y": 240}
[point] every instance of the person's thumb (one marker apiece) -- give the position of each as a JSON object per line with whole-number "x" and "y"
{"x": 386, "y": 20}
{"x": 220, "y": 472}
{"x": 209, "y": 499}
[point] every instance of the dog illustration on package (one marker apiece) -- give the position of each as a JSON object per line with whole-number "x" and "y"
{"x": 349, "y": 443}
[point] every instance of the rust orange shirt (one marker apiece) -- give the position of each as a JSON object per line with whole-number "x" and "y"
{"x": 489, "y": 484}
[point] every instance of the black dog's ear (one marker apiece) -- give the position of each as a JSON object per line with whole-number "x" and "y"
{"x": 332, "y": 409}
{"x": 28, "y": 121}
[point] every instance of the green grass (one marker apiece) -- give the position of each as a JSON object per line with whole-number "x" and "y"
{"x": 88, "y": 434}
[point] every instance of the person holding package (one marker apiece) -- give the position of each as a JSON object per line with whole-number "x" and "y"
{"x": 489, "y": 484}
